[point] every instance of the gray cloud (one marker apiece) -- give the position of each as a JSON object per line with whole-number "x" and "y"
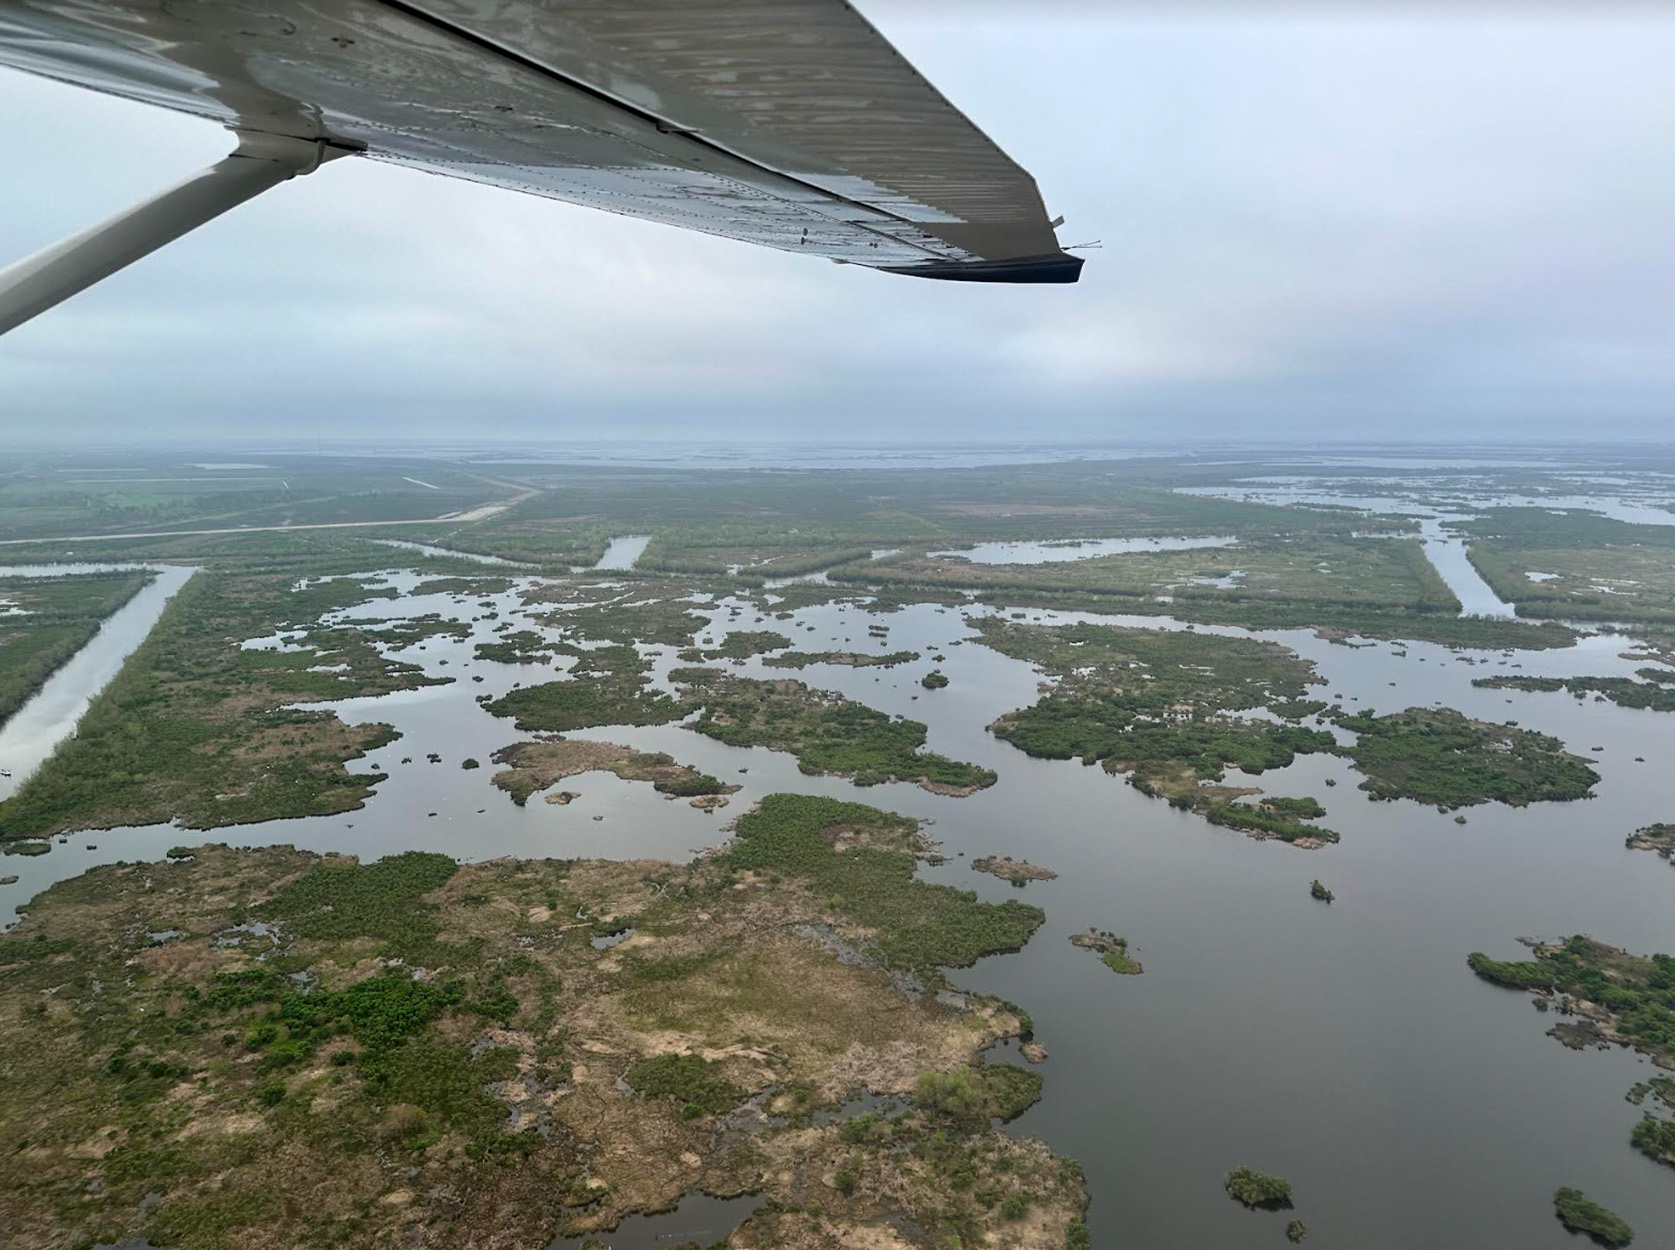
{"x": 1313, "y": 223}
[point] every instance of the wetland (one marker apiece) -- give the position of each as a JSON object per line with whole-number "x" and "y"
{"x": 281, "y": 916}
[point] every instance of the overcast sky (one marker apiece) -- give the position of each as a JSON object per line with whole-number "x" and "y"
{"x": 1313, "y": 225}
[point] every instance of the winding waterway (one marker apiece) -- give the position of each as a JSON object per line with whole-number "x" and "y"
{"x": 1346, "y": 1048}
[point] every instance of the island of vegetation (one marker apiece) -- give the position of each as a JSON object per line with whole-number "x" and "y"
{"x": 274, "y": 1049}
{"x": 1606, "y": 996}
{"x": 852, "y": 659}
{"x": 1659, "y": 837}
{"x": 826, "y": 732}
{"x": 535, "y": 766}
{"x": 1160, "y": 705}
{"x": 1439, "y": 756}
{"x": 741, "y": 645}
{"x": 1622, "y": 691}
{"x": 1579, "y": 1214}
{"x": 1296, "y": 1230}
{"x": 1258, "y": 1189}
{"x": 1113, "y": 951}
{"x": 936, "y": 679}
{"x": 1319, "y": 891}
{"x": 522, "y": 646}
{"x": 1019, "y": 872}
{"x": 606, "y": 686}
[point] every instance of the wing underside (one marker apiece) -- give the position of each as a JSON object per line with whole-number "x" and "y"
{"x": 792, "y": 125}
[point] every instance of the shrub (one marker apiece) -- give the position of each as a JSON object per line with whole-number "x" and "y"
{"x": 1581, "y": 1215}
{"x": 1257, "y": 1189}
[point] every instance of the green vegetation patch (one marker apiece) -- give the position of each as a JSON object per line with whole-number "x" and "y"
{"x": 1438, "y": 755}
{"x": 1614, "y": 997}
{"x": 523, "y": 646}
{"x": 382, "y": 900}
{"x": 744, "y": 643}
{"x": 279, "y": 1048}
{"x": 1258, "y": 1189}
{"x": 1635, "y": 993}
{"x": 198, "y": 728}
{"x": 853, "y": 659}
{"x": 475, "y": 586}
{"x": 607, "y": 686}
{"x": 1001, "y": 1091}
{"x": 695, "y": 1083}
{"x": 1589, "y": 567}
{"x": 1580, "y": 1214}
{"x": 826, "y": 732}
{"x": 1159, "y": 704}
{"x": 861, "y": 862}
{"x": 1622, "y": 691}
{"x": 1113, "y": 951}
{"x": 535, "y": 766}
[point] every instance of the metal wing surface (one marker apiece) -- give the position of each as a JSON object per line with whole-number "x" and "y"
{"x": 791, "y": 124}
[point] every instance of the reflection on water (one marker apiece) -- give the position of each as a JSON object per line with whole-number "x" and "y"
{"x": 51, "y": 715}
{"x": 1059, "y": 551}
{"x": 1347, "y": 1048}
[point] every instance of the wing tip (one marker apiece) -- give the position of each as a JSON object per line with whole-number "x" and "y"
{"x": 1054, "y": 267}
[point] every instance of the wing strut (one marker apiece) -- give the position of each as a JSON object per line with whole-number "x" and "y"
{"x": 36, "y": 283}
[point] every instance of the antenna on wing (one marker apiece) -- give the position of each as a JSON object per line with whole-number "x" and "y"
{"x": 1082, "y": 247}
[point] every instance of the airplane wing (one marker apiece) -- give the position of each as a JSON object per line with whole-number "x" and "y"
{"x": 788, "y": 123}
